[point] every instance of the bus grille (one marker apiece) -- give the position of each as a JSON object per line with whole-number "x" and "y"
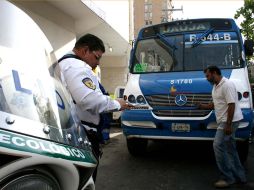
{"x": 181, "y": 113}
{"x": 162, "y": 103}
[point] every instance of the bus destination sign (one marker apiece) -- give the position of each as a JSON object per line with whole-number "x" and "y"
{"x": 183, "y": 27}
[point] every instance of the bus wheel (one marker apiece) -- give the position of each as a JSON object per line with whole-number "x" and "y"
{"x": 136, "y": 147}
{"x": 243, "y": 150}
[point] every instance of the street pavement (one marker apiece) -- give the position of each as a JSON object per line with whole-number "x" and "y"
{"x": 166, "y": 166}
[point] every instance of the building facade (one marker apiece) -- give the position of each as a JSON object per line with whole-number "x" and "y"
{"x": 147, "y": 12}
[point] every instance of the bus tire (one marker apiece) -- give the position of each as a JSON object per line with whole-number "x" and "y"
{"x": 243, "y": 150}
{"x": 136, "y": 146}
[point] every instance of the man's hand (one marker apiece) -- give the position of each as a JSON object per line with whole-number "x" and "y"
{"x": 231, "y": 110}
{"x": 228, "y": 130}
{"x": 124, "y": 105}
{"x": 199, "y": 105}
{"x": 209, "y": 106}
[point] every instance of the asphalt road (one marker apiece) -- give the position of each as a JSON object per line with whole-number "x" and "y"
{"x": 166, "y": 166}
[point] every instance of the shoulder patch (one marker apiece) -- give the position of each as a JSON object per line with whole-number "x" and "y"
{"x": 89, "y": 83}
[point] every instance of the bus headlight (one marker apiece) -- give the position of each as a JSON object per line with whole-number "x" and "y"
{"x": 141, "y": 99}
{"x": 239, "y": 96}
{"x": 131, "y": 99}
{"x": 246, "y": 94}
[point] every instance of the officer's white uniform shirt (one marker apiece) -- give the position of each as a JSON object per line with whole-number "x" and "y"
{"x": 223, "y": 94}
{"x": 84, "y": 88}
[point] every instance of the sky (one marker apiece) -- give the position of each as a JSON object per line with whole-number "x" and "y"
{"x": 116, "y": 14}
{"x": 117, "y": 11}
{"x": 206, "y": 8}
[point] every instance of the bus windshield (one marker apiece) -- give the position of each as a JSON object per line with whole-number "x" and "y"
{"x": 181, "y": 53}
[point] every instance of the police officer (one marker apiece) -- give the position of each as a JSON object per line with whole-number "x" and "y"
{"x": 76, "y": 73}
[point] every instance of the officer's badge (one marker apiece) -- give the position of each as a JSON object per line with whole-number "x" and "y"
{"x": 89, "y": 83}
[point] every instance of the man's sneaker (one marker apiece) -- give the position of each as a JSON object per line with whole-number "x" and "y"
{"x": 241, "y": 183}
{"x": 221, "y": 184}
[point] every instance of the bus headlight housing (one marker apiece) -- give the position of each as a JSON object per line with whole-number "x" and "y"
{"x": 244, "y": 95}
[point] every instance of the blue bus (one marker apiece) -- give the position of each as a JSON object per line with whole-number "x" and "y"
{"x": 166, "y": 81}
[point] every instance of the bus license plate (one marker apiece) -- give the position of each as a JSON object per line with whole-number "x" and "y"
{"x": 180, "y": 127}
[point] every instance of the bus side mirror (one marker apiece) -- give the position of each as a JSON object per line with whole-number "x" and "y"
{"x": 131, "y": 54}
{"x": 131, "y": 42}
{"x": 248, "y": 46}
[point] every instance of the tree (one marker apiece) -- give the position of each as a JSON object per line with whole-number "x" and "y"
{"x": 247, "y": 25}
{"x": 247, "y": 12}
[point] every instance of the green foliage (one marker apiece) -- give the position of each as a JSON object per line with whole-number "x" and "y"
{"x": 247, "y": 12}
{"x": 251, "y": 80}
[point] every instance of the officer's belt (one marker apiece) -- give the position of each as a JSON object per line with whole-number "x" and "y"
{"x": 89, "y": 126}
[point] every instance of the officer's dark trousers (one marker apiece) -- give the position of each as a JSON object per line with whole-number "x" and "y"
{"x": 95, "y": 139}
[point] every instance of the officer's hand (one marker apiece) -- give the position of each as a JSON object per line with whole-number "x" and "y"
{"x": 124, "y": 105}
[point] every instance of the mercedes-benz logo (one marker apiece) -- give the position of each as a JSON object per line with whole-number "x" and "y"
{"x": 180, "y": 100}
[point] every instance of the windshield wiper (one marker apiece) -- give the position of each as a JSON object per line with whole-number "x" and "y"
{"x": 199, "y": 40}
{"x": 162, "y": 38}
